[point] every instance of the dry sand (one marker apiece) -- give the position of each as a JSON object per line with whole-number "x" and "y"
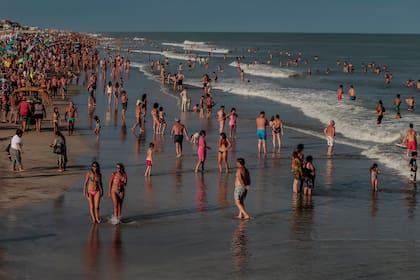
{"x": 40, "y": 180}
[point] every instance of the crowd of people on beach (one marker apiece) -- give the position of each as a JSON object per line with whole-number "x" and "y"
{"x": 53, "y": 61}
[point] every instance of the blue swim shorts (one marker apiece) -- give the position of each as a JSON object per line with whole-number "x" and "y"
{"x": 262, "y": 135}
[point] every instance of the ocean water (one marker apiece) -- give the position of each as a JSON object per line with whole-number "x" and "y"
{"x": 267, "y": 75}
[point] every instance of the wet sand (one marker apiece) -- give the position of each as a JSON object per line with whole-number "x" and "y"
{"x": 181, "y": 225}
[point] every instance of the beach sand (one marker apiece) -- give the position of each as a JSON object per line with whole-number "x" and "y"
{"x": 40, "y": 181}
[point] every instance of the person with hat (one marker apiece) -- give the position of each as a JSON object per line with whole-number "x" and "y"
{"x": 178, "y": 131}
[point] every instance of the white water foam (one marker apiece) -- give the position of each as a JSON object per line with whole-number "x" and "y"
{"x": 197, "y": 47}
{"x": 264, "y": 70}
{"x": 354, "y": 122}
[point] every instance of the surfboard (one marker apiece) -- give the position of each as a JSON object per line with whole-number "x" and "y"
{"x": 400, "y": 145}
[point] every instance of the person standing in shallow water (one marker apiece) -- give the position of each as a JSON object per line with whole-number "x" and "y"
{"x": 242, "y": 185}
{"x": 329, "y": 132}
{"x": 374, "y": 172}
{"x": 93, "y": 191}
{"x": 261, "y": 123}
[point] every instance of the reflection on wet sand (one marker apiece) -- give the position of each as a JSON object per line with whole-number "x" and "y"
{"x": 123, "y": 133}
{"x": 178, "y": 182}
{"x": 201, "y": 193}
{"x": 374, "y": 204}
{"x": 92, "y": 252}
{"x": 139, "y": 142}
{"x": 302, "y": 217}
{"x": 222, "y": 191}
{"x": 411, "y": 202}
{"x": 328, "y": 177}
{"x": 239, "y": 249}
{"x": 116, "y": 254}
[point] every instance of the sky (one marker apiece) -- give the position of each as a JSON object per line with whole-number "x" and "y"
{"x": 330, "y": 16}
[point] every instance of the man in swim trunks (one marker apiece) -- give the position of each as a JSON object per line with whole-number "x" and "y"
{"x": 71, "y": 112}
{"x": 178, "y": 131}
{"x": 242, "y": 185}
{"x": 262, "y": 123}
{"x": 329, "y": 132}
{"x": 411, "y": 139}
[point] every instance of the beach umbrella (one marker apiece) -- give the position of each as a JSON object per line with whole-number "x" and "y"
{"x": 9, "y": 54}
{"x": 22, "y": 60}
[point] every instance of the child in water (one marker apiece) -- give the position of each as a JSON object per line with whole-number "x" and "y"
{"x": 374, "y": 171}
{"x": 149, "y": 159}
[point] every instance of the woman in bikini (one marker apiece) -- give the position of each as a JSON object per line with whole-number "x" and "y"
{"x": 224, "y": 146}
{"x": 93, "y": 191}
{"x": 117, "y": 182}
{"x": 277, "y": 131}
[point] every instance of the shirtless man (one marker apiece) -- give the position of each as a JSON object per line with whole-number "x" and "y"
{"x": 72, "y": 115}
{"x": 410, "y": 103}
{"x": 184, "y": 100}
{"x": 410, "y": 139}
{"x": 329, "y": 132}
{"x": 340, "y": 93}
{"x": 178, "y": 131}
{"x": 179, "y": 80}
{"x": 261, "y": 123}
{"x": 352, "y": 93}
{"x": 221, "y": 117}
{"x": 242, "y": 185}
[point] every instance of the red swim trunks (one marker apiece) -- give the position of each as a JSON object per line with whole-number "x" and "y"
{"x": 411, "y": 145}
{"x": 148, "y": 163}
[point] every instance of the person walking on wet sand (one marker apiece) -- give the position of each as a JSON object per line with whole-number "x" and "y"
{"x": 116, "y": 190}
{"x": 149, "y": 159}
{"x": 242, "y": 185}
{"x": 329, "y": 132}
{"x": 16, "y": 151}
{"x": 178, "y": 131}
{"x": 93, "y": 191}
{"x": 71, "y": 114}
